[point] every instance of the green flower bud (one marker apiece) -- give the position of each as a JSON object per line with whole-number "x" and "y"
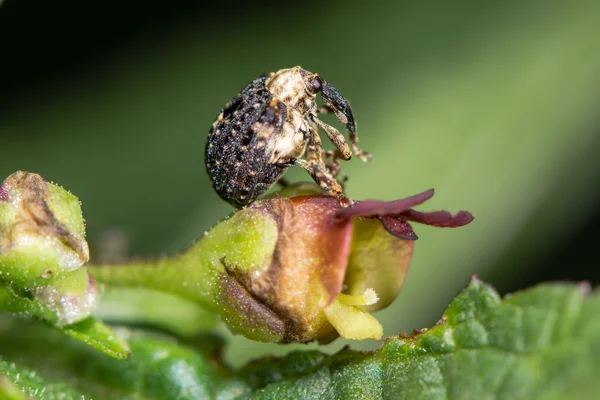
{"x": 41, "y": 231}
{"x": 42, "y": 249}
{"x": 69, "y": 299}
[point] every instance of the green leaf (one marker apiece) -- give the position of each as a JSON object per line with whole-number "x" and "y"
{"x": 31, "y": 384}
{"x": 90, "y": 330}
{"x": 159, "y": 368}
{"x": 99, "y": 336}
{"x": 11, "y": 302}
{"x": 543, "y": 343}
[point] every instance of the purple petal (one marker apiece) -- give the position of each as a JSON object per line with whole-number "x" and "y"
{"x": 398, "y": 227}
{"x": 439, "y": 218}
{"x": 376, "y": 208}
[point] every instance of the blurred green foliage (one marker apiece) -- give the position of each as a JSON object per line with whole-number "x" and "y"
{"x": 494, "y": 104}
{"x": 537, "y": 344}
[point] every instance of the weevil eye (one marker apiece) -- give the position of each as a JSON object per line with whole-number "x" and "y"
{"x": 316, "y": 84}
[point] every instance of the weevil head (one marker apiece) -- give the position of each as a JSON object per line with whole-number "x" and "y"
{"x": 292, "y": 85}
{"x": 312, "y": 82}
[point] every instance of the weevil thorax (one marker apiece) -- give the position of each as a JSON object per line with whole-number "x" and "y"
{"x": 290, "y": 86}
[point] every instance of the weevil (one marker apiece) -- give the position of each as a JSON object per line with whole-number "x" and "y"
{"x": 269, "y": 126}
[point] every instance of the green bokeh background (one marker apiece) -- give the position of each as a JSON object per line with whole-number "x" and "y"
{"x": 493, "y": 104}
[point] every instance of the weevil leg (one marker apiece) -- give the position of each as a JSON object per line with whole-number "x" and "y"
{"x": 339, "y": 105}
{"x": 336, "y": 138}
{"x": 332, "y": 158}
{"x": 332, "y": 161}
{"x": 315, "y": 166}
{"x": 326, "y": 109}
{"x": 324, "y": 179}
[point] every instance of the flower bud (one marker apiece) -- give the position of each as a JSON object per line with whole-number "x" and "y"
{"x": 294, "y": 269}
{"x": 329, "y": 267}
{"x": 41, "y": 231}
{"x": 42, "y": 249}
{"x": 69, "y": 299}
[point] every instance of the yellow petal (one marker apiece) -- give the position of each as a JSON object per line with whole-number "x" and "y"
{"x": 369, "y": 297}
{"x": 352, "y": 322}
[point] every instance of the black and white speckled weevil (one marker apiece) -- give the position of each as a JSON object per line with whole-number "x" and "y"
{"x": 267, "y": 128}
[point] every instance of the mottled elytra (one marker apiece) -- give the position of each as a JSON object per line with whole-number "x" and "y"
{"x": 269, "y": 126}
